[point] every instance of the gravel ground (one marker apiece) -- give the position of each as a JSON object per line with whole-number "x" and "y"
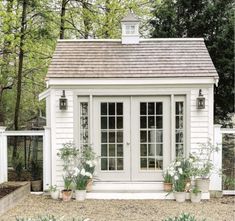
{"x": 122, "y": 210}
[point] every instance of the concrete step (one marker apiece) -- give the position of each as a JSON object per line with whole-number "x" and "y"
{"x": 127, "y": 186}
{"x": 132, "y": 195}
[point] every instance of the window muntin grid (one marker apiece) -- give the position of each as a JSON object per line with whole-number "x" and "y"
{"x": 111, "y": 136}
{"x": 84, "y": 139}
{"x": 151, "y": 136}
{"x": 179, "y": 128}
{"x": 130, "y": 29}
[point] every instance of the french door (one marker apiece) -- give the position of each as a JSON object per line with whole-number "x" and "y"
{"x": 131, "y": 137}
{"x": 112, "y": 137}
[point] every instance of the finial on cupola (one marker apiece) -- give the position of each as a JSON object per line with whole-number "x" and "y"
{"x": 130, "y": 29}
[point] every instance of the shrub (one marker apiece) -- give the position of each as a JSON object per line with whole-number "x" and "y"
{"x": 183, "y": 217}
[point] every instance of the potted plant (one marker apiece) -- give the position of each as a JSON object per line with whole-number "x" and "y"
{"x": 204, "y": 166}
{"x": 36, "y": 182}
{"x": 55, "y": 193}
{"x": 88, "y": 162}
{"x": 68, "y": 154}
{"x": 195, "y": 195}
{"x": 81, "y": 178}
{"x": 167, "y": 181}
{"x": 67, "y": 191}
{"x": 179, "y": 188}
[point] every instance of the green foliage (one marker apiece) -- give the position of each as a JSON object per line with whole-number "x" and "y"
{"x": 228, "y": 182}
{"x": 35, "y": 170}
{"x": 18, "y": 166}
{"x": 183, "y": 217}
{"x": 196, "y": 190}
{"x": 212, "y": 20}
{"x": 68, "y": 180}
{"x": 68, "y": 154}
{"x": 52, "y": 188}
{"x": 167, "y": 177}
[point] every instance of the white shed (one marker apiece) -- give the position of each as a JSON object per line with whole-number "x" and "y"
{"x": 134, "y": 100}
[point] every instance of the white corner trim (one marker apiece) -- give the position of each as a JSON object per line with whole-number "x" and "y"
{"x": 44, "y": 94}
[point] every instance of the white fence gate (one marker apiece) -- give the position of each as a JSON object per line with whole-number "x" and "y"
{"x": 32, "y": 133}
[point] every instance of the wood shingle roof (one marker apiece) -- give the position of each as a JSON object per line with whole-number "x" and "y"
{"x": 150, "y": 58}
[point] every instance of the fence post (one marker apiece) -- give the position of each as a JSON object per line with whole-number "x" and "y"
{"x": 216, "y": 178}
{"x": 46, "y": 157}
{"x": 3, "y": 155}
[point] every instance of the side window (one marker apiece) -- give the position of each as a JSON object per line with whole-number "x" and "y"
{"x": 179, "y": 129}
{"x": 84, "y": 123}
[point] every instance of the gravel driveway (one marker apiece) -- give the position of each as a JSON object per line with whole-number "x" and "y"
{"x": 122, "y": 210}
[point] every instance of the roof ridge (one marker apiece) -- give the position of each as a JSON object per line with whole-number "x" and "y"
{"x": 141, "y": 40}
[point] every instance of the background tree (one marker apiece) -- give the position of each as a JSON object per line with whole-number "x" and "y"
{"x": 214, "y": 21}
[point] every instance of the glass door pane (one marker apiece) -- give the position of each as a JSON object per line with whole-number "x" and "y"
{"x": 111, "y": 133}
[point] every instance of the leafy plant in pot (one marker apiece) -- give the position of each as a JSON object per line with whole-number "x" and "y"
{"x": 179, "y": 188}
{"x": 167, "y": 181}
{"x": 88, "y": 162}
{"x": 68, "y": 154}
{"x": 195, "y": 195}
{"x": 55, "y": 193}
{"x": 36, "y": 182}
{"x": 67, "y": 191}
{"x": 204, "y": 166}
{"x": 81, "y": 178}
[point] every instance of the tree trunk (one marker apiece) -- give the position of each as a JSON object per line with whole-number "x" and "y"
{"x": 20, "y": 67}
{"x": 19, "y": 75}
{"x": 62, "y": 18}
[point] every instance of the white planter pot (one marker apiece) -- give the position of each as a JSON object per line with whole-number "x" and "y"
{"x": 203, "y": 184}
{"x": 195, "y": 198}
{"x": 80, "y": 195}
{"x": 180, "y": 197}
{"x": 55, "y": 195}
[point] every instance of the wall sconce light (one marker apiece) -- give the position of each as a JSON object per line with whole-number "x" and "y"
{"x": 200, "y": 100}
{"x": 63, "y": 101}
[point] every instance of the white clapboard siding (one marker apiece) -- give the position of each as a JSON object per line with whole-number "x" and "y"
{"x": 63, "y": 122}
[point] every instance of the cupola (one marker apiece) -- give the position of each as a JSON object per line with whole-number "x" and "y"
{"x": 130, "y": 29}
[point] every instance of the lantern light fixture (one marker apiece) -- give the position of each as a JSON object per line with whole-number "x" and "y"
{"x": 63, "y": 101}
{"x": 200, "y": 100}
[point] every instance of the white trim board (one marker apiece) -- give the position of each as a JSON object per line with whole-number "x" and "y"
{"x": 131, "y": 81}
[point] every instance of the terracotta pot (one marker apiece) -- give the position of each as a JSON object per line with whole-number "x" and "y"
{"x": 55, "y": 194}
{"x": 89, "y": 185}
{"x": 168, "y": 187}
{"x": 203, "y": 184}
{"x": 195, "y": 198}
{"x": 36, "y": 185}
{"x": 80, "y": 195}
{"x": 180, "y": 197}
{"x": 67, "y": 195}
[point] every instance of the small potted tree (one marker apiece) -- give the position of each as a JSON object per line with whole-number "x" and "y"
{"x": 68, "y": 154}
{"x": 81, "y": 178}
{"x": 204, "y": 166}
{"x": 55, "y": 193}
{"x": 195, "y": 195}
